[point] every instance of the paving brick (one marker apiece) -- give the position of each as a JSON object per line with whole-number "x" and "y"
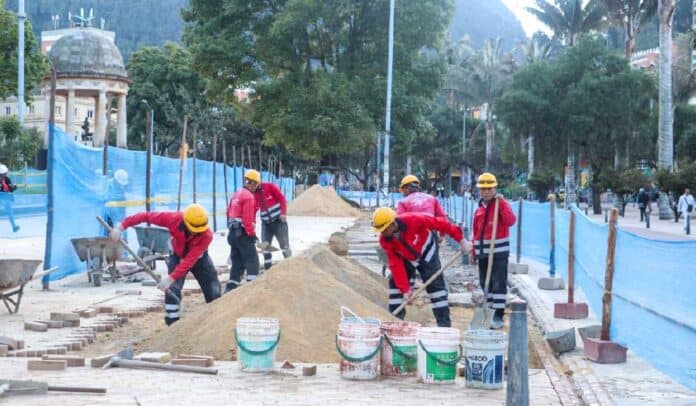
{"x": 65, "y": 316}
{"x": 51, "y": 323}
{"x": 105, "y": 309}
{"x": 4, "y": 350}
{"x": 46, "y": 365}
{"x": 11, "y": 343}
{"x": 192, "y": 362}
{"x": 35, "y": 326}
{"x": 71, "y": 360}
{"x": 98, "y": 362}
{"x": 161, "y": 357}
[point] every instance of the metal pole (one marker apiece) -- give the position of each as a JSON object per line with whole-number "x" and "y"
{"x": 571, "y": 258}
{"x": 552, "y": 238}
{"x": 462, "y": 175}
{"x": 49, "y": 179}
{"x": 105, "y": 159}
{"x": 195, "y": 144}
{"x": 214, "y": 180}
{"x": 26, "y": 177}
{"x": 517, "y": 391}
{"x": 688, "y": 223}
{"x": 609, "y": 276}
{"x": 224, "y": 167}
{"x": 234, "y": 165}
{"x": 387, "y": 121}
{"x": 21, "y": 18}
{"x": 519, "y": 231}
{"x": 148, "y": 162}
{"x": 182, "y": 160}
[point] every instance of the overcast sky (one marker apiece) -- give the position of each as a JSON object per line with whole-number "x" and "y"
{"x": 529, "y": 23}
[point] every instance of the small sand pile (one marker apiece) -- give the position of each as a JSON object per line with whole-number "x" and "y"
{"x": 320, "y": 201}
{"x": 303, "y": 296}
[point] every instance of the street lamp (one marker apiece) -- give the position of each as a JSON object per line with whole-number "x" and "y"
{"x": 387, "y": 121}
{"x": 148, "y": 164}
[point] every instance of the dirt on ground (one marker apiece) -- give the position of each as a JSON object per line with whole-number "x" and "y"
{"x": 319, "y": 201}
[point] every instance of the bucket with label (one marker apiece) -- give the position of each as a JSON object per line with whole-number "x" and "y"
{"x": 399, "y": 348}
{"x": 358, "y": 342}
{"x": 257, "y": 339}
{"x": 484, "y": 358}
{"x": 439, "y": 351}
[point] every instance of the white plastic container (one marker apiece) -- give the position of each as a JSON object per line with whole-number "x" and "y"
{"x": 484, "y": 358}
{"x": 399, "y": 348}
{"x": 358, "y": 343}
{"x": 257, "y": 339}
{"x": 439, "y": 350}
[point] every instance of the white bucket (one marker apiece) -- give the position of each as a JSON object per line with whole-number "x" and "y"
{"x": 257, "y": 339}
{"x": 484, "y": 358}
{"x": 438, "y": 353}
{"x": 359, "y": 342}
{"x": 399, "y": 348}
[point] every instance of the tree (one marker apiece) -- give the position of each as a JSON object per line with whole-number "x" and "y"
{"x": 665, "y": 142}
{"x": 569, "y": 18}
{"x": 20, "y": 145}
{"x": 35, "y": 63}
{"x": 630, "y": 15}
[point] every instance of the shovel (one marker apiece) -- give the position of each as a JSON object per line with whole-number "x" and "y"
{"x": 483, "y": 313}
{"x": 124, "y": 359}
{"x": 146, "y": 267}
{"x": 428, "y": 282}
{"x": 12, "y": 387}
{"x": 266, "y": 249}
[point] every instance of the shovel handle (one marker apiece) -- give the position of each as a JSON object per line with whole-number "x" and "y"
{"x": 491, "y": 248}
{"x": 125, "y": 363}
{"x": 76, "y": 389}
{"x": 429, "y": 281}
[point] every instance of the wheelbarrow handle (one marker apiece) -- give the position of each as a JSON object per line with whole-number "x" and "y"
{"x": 146, "y": 267}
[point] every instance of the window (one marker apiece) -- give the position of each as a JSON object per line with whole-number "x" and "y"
{"x": 31, "y": 110}
{"x": 90, "y": 113}
{"x": 59, "y": 110}
{"x": 8, "y": 110}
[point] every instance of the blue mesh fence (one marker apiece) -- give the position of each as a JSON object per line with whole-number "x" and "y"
{"x": 82, "y": 193}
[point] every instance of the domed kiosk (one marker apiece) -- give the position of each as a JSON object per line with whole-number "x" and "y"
{"x": 89, "y": 65}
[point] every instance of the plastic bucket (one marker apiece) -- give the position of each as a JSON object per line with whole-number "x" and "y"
{"x": 257, "y": 339}
{"x": 399, "y": 354}
{"x": 359, "y": 342}
{"x": 484, "y": 359}
{"x": 439, "y": 351}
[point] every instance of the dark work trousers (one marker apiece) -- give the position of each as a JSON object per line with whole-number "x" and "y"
{"x": 642, "y": 212}
{"x": 437, "y": 291}
{"x": 243, "y": 255}
{"x": 279, "y": 230}
{"x": 207, "y": 278}
{"x": 497, "y": 292}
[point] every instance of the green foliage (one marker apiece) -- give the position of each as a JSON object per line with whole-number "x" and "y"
{"x": 676, "y": 182}
{"x": 18, "y": 146}
{"x": 541, "y": 183}
{"x": 35, "y": 64}
{"x": 568, "y": 19}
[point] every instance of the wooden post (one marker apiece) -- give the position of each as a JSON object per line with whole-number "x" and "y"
{"x": 224, "y": 167}
{"x": 571, "y": 258}
{"x": 105, "y": 159}
{"x": 519, "y": 230}
{"x": 609, "y": 276}
{"x": 148, "y": 161}
{"x": 249, "y": 151}
{"x": 552, "y": 238}
{"x": 517, "y": 390}
{"x": 234, "y": 166}
{"x": 26, "y": 177}
{"x": 182, "y": 161}
{"x": 195, "y": 145}
{"x": 50, "y": 154}
{"x": 215, "y": 136}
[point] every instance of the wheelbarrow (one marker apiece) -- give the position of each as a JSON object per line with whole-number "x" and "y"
{"x": 14, "y": 274}
{"x": 100, "y": 255}
{"x": 154, "y": 244}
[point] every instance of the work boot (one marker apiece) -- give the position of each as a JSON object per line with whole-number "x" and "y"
{"x": 15, "y": 229}
{"x": 497, "y": 322}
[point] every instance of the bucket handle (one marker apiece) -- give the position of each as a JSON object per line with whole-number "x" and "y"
{"x": 432, "y": 356}
{"x": 256, "y": 352}
{"x": 398, "y": 351}
{"x": 359, "y": 359}
{"x": 345, "y": 309}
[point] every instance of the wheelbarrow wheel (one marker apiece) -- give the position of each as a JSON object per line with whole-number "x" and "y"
{"x": 97, "y": 279}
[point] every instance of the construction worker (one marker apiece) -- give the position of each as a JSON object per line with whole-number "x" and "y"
{"x": 241, "y": 220}
{"x": 410, "y": 244}
{"x": 190, "y": 239}
{"x": 6, "y": 197}
{"x": 273, "y": 207}
{"x": 415, "y": 201}
{"x": 482, "y": 234}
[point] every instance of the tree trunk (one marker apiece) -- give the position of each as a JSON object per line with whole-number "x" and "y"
{"x": 665, "y": 141}
{"x": 596, "y": 200}
{"x": 570, "y": 180}
{"x": 530, "y": 155}
{"x": 490, "y": 137}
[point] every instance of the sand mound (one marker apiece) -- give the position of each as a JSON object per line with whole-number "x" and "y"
{"x": 304, "y": 297}
{"x": 320, "y": 201}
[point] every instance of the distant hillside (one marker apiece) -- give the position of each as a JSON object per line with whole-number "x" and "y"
{"x": 483, "y": 19}
{"x": 137, "y": 23}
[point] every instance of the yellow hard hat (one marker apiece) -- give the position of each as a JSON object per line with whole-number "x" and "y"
{"x": 383, "y": 218}
{"x": 408, "y": 179}
{"x": 486, "y": 181}
{"x": 196, "y": 218}
{"x": 253, "y": 175}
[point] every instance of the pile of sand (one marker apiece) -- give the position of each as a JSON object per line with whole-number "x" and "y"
{"x": 320, "y": 201}
{"x": 305, "y": 293}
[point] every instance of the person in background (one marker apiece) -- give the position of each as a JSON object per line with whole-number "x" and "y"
{"x": 241, "y": 220}
{"x": 643, "y": 200}
{"x": 272, "y": 205}
{"x": 190, "y": 238}
{"x": 686, "y": 205}
{"x": 115, "y": 211}
{"x": 6, "y": 197}
{"x": 415, "y": 201}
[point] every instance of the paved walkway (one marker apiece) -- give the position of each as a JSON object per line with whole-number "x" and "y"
{"x": 659, "y": 229}
{"x": 634, "y": 383}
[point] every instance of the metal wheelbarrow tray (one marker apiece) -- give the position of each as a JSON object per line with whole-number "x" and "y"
{"x": 100, "y": 255}
{"x": 154, "y": 244}
{"x": 14, "y": 274}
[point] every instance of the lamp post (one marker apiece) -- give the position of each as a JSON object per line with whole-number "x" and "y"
{"x": 21, "y": 18}
{"x": 150, "y": 138}
{"x": 387, "y": 121}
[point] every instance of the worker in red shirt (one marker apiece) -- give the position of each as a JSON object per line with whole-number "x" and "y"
{"x": 241, "y": 220}
{"x": 415, "y": 201}
{"x": 273, "y": 207}
{"x": 411, "y": 245}
{"x": 190, "y": 239}
{"x": 483, "y": 232}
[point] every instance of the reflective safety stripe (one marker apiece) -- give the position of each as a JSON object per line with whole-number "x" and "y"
{"x": 429, "y": 248}
{"x": 439, "y": 293}
{"x": 171, "y": 307}
{"x": 437, "y": 305}
{"x": 272, "y": 212}
{"x": 232, "y": 282}
{"x": 394, "y": 292}
{"x": 396, "y": 301}
{"x": 499, "y": 296}
{"x": 172, "y": 315}
{"x": 496, "y": 305}
{"x": 250, "y": 277}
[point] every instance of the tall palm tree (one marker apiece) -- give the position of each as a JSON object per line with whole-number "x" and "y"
{"x": 630, "y": 15}
{"x": 665, "y": 137}
{"x": 569, "y": 18}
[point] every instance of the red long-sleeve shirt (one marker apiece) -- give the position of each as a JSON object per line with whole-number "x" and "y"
{"x": 415, "y": 242}
{"x": 243, "y": 208}
{"x": 483, "y": 232}
{"x": 270, "y": 201}
{"x": 188, "y": 246}
{"x": 419, "y": 202}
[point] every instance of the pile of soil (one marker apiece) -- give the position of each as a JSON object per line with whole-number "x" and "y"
{"x": 303, "y": 296}
{"x": 320, "y": 201}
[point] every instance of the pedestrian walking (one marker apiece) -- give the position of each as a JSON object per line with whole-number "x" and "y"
{"x": 272, "y": 204}
{"x": 643, "y": 199}
{"x": 686, "y": 205}
{"x": 241, "y": 221}
{"x": 190, "y": 239}
{"x": 483, "y": 232}
{"x": 6, "y": 196}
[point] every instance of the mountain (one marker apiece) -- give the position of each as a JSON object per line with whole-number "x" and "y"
{"x": 137, "y": 23}
{"x": 483, "y": 19}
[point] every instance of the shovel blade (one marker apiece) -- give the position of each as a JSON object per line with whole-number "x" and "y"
{"x": 482, "y": 319}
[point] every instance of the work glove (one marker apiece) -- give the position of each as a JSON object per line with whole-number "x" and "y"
{"x": 464, "y": 245}
{"x": 165, "y": 283}
{"x": 115, "y": 233}
{"x": 409, "y": 297}
{"x": 283, "y": 218}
